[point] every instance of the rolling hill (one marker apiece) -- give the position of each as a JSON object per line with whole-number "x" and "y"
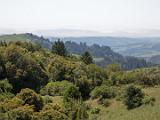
{"x": 103, "y": 55}
{"x": 27, "y": 37}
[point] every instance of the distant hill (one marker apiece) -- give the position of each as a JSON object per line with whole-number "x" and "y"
{"x": 137, "y": 47}
{"x": 28, "y": 37}
{"x": 103, "y": 55}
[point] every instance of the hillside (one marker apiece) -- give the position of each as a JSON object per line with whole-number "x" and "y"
{"x": 103, "y": 55}
{"x": 144, "y": 47}
{"x": 27, "y": 37}
{"x": 36, "y": 84}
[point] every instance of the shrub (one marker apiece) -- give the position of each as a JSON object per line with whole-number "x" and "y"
{"x": 72, "y": 93}
{"x": 5, "y": 86}
{"x": 55, "y": 88}
{"x": 6, "y": 96}
{"x": 51, "y": 112}
{"x": 103, "y": 92}
{"x": 133, "y": 97}
{"x": 148, "y": 100}
{"x": 30, "y": 97}
{"x": 21, "y": 113}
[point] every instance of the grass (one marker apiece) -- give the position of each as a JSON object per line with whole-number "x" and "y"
{"x": 117, "y": 111}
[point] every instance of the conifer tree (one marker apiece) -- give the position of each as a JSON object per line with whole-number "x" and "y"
{"x": 59, "y": 48}
{"x": 87, "y": 58}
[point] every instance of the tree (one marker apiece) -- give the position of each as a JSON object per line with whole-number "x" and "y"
{"x": 87, "y": 58}
{"x": 59, "y": 48}
{"x": 22, "y": 70}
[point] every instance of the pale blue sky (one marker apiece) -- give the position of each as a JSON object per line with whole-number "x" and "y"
{"x": 102, "y": 15}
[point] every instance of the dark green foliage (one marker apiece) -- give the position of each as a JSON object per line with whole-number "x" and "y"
{"x": 2, "y": 67}
{"x": 72, "y": 93}
{"x": 59, "y": 48}
{"x": 22, "y": 70}
{"x": 29, "y": 97}
{"x": 133, "y": 97}
{"x": 55, "y": 88}
{"x": 5, "y": 90}
{"x": 87, "y": 58}
{"x": 5, "y": 87}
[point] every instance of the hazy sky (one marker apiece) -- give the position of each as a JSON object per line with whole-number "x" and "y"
{"x": 100, "y": 15}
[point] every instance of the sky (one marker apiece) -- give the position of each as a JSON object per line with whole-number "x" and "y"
{"x": 99, "y": 15}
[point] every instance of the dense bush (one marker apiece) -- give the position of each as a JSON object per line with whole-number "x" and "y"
{"x": 51, "y": 112}
{"x": 133, "y": 97}
{"x": 21, "y": 113}
{"x": 22, "y": 70}
{"x": 5, "y": 90}
{"x": 103, "y": 92}
{"x": 55, "y": 88}
{"x": 2, "y": 67}
{"x": 29, "y": 97}
{"x": 5, "y": 86}
{"x": 72, "y": 93}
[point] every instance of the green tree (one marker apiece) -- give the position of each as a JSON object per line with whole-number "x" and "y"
{"x": 22, "y": 70}
{"x": 59, "y": 48}
{"x": 87, "y": 58}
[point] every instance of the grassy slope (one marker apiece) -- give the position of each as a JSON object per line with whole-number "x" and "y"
{"x": 117, "y": 111}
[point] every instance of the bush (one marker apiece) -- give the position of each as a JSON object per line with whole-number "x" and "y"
{"x": 30, "y": 97}
{"x": 51, "y": 112}
{"x": 21, "y": 113}
{"x": 55, "y": 88}
{"x": 133, "y": 97}
{"x": 5, "y": 86}
{"x": 22, "y": 70}
{"x": 148, "y": 100}
{"x": 6, "y": 96}
{"x": 103, "y": 92}
{"x": 72, "y": 93}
